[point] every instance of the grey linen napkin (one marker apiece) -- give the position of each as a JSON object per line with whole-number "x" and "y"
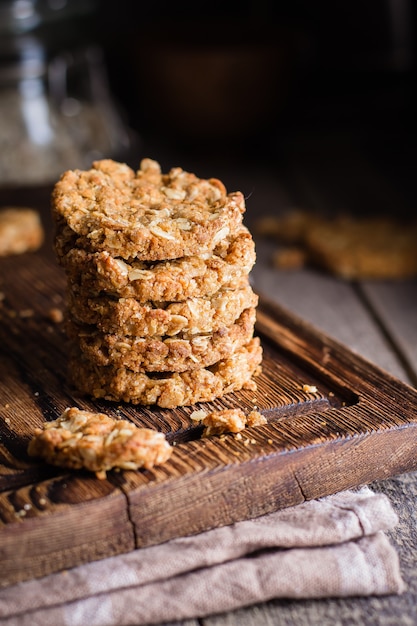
{"x": 330, "y": 547}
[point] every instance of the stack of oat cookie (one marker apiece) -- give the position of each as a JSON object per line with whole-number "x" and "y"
{"x": 160, "y": 310}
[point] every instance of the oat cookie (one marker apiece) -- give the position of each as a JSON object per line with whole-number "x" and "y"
{"x": 144, "y": 215}
{"x": 119, "y": 384}
{"x": 159, "y": 307}
{"x": 159, "y": 354}
{"x": 347, "y": 246}
{"x": 372, "y": 248}
{"x": 127, "y": 316}
{"x": 21, "y": 230}
{"x": 94, "y": 441}
{"x": 177, "y": 280}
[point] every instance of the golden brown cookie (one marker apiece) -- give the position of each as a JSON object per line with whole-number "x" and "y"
{"x": 127, "y": 316}
{"x": 372, "y": 248}
{"x": 177, "y": 280}
{"x": 347, "y": 246}
{"x": 94, "y": 441}
{"x": 20, "y": 230}
{"x": 159, "y": 354}
{"x": 119, "y": 384}
{"x": 143, "y": 215}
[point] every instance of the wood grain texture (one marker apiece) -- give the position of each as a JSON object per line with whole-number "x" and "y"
{"x": 394, "y": 306}
{"x": 360, "y": 425}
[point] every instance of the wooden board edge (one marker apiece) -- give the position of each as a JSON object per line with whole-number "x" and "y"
{"x": 224, "y": 495}
{"x": 328, "y": 357}
{"x": 79, "y": 534}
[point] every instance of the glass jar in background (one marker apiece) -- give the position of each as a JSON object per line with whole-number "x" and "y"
{"x": 56, "y": 109}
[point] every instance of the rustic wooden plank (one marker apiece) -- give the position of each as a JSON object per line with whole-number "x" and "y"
{"x": 54, "y": 524}
{"x": 211, "y": 497}
{"x": 394, "y": 305}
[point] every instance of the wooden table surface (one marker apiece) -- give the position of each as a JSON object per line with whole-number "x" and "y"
{"x": 375, "y": 319}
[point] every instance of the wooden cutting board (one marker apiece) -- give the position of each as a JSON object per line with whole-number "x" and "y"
{"x": 360, "y": 425}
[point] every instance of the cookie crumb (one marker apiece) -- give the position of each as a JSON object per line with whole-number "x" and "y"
{"x": 255, "y": 418}
{"x": 230, "y": 421}
{"x": 56, "y": 315}
{"x": 309, "y": 388}
{"x": 198, "y": 416}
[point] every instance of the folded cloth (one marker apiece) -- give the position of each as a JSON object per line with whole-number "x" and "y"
{"x": 330, "y": 547}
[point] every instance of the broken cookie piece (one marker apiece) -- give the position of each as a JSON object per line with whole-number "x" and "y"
{"x": 227, "y": 421}
{"x": 349, "y": 247}
{"x": 96, "y": 442}
{"x": 371, "y": 248}
{"x": 20, "y": 230}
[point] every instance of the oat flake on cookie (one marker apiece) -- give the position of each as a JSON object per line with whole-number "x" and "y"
{"x": 144, "y": 214}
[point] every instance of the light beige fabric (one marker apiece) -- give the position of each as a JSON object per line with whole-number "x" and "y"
{"x": 330, "y": 547}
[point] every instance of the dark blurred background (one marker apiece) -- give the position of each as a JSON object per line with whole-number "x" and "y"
{"x": 204, "y": 72}
{"x": 297, "y": 90}
{"x": 321, "y": 86}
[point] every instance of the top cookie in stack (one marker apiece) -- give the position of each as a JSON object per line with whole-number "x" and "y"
{"x": 160, "y": 310}
{"x": 146, "y": 215}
